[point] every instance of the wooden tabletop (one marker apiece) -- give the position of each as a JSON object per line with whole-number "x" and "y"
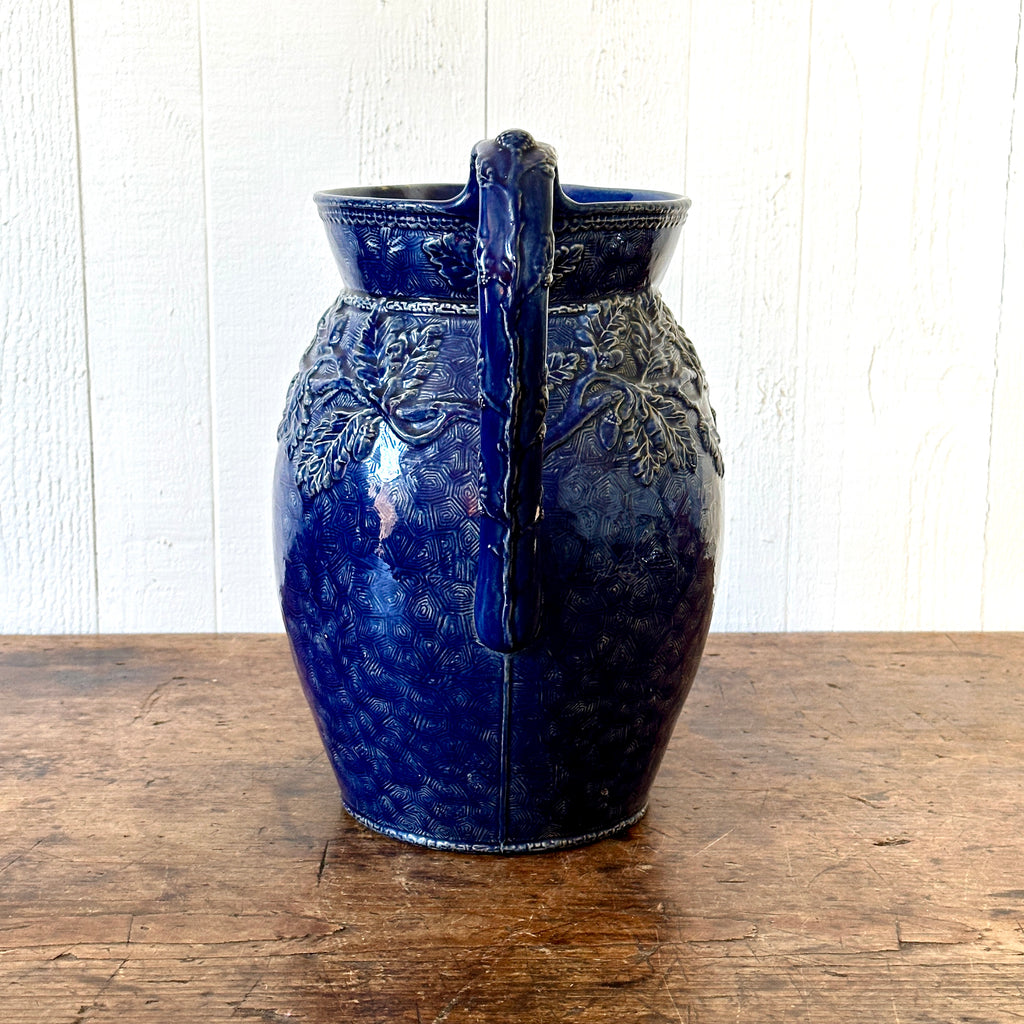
{"x": 836, "y": 835}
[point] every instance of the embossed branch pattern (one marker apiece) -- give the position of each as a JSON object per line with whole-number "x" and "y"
{"x": 638, "y": 376}
{"x": 635, "y": 377}
{"x": 332, "y": 419}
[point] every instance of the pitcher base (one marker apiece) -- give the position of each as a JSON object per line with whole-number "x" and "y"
{"x": 535, "y": 846}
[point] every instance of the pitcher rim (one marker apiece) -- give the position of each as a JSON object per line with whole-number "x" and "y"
{"x": 444, "y": 198}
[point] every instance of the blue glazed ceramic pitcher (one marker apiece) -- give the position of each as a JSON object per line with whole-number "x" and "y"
{"x": 498, "y": 505}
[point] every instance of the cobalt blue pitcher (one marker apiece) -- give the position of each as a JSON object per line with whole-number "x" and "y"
{"x": 497, "y": 505}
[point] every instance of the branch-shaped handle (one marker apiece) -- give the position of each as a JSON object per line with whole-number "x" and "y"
{"x": 515, "y": 248}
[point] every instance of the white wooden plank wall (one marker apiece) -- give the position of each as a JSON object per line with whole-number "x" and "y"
{"x": 908, "y": 131}
{"x": 47, "y": 564}
{"x": 851, "y": 273}
{"x": 742, "y": 278}
{"x": 1002, "y": 592}
{"x": 140, "y": 124}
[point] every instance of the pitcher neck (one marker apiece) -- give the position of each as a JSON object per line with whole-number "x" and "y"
{"x": 419, "y": 241}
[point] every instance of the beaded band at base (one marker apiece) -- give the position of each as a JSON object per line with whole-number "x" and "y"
{"x": 539, "y": 846}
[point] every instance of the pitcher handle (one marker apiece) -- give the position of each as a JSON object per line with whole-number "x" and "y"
{"x": 514, "y": 252}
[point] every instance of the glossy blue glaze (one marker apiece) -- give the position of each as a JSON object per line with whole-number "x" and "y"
{"x": 498, "y": 506}
{"x": 515, "y": 255}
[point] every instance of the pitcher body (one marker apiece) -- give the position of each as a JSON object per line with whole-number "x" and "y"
{"x": 497, "y": 506}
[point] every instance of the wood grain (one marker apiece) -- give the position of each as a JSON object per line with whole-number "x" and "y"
{"x": 834, "y": 835}
{"x": 46, "y": 510}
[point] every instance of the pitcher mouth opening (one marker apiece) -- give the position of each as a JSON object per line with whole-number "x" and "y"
{"x": 589, "y": 195}
{"x": 426, "y": 193}
{"x": 572, "y": 197}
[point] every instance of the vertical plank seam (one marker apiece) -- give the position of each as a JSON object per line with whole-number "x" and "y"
{"x": 799, "y": 320}
{"x": 487, "y": 65}
{"x": 211, "y": 362}
{"x": 910, "y": 609}
{"x": 999, "y": 321}
{"x": 686, "y": 159}
{"x": 85, "y": 322}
